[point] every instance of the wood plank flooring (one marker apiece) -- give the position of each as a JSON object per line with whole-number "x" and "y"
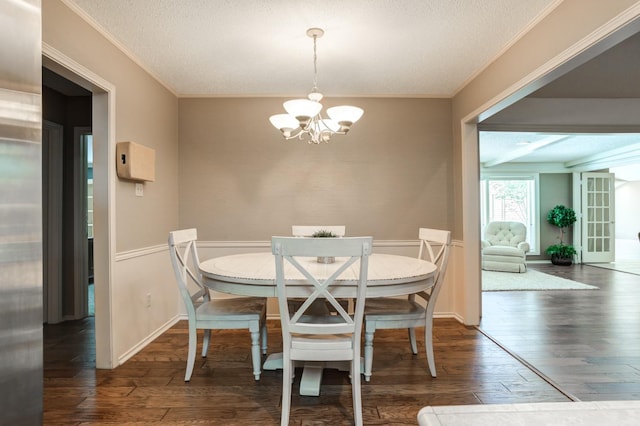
{"x": 150, "y": 387}
{"x": 586, "y": 341}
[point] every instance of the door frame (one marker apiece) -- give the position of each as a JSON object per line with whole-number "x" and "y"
{"x": 103, "y": 129}
{"x": 581, "y": 51}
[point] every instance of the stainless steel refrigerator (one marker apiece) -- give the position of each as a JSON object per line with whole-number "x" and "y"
{"x": 20, "y": 213}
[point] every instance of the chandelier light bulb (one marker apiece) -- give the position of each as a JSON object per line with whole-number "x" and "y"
{"x": 285, "y": 123}
{"x": 303, "y": 110}
{"x": 345, "y": 115}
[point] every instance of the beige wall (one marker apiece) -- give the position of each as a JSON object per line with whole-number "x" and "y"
{"x": 555, "y": 188}
{"x": 508, "y": 78}
{"x": 240, "y": 180}
{"x": 407, "y": 164}
{"x": 627, "y": 205}
{"x": 146, "y": 113}
{"x": 571, "y": 28}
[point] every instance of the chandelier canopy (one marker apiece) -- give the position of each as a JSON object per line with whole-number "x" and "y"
{"x": 303, "y": 119}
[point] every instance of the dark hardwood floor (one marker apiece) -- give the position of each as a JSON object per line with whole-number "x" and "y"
{"x": 586, "y": 342}
{"x": 150, "y": 387}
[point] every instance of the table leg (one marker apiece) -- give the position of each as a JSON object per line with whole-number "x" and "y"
{"x": 311, "y": 379}
{"x": 273, "y": 362}
{"x": 311, "y": 374}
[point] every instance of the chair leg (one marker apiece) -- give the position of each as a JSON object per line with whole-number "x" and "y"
{"x": 412, "y": 340}
{"x": 355, "y": 391}
{"x": 368, "y": 353}
{"x": 263, "y": 332}
{"x": 255, "y": 353}
{"x": 205, "y": 342}
{"x": 428, "y": 343}
{"x": 287, "y": 369}
{"x": 191, "y": 354}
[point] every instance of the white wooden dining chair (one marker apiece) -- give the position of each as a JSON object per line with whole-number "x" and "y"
{"x": 416, "y": 310}
{"x": 309, "y": 337}
{"x": 213, "y": 314}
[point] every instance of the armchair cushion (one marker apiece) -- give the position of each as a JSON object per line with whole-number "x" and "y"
{"x": 505, "y": 234}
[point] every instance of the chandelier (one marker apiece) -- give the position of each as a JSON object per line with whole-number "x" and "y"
{"x": 303, "y": 119}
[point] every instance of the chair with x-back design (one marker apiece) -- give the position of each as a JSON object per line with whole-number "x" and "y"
{"x": 306, "y": 335}
{"x": 207, "y": 313}
{"x": 416, "y": 310}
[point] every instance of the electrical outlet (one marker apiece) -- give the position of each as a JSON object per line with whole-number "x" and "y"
{"x": 148, "y": 300}
{"x": 139, "y": 190}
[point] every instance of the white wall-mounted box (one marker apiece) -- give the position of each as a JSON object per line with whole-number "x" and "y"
{"x": 135, "y": 162}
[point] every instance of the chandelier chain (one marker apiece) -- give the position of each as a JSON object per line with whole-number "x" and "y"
{"x": 315, "y": 65}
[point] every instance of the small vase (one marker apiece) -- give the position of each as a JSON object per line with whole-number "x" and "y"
{"x": 326, "y": 259}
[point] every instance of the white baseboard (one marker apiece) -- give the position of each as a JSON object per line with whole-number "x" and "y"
{"x": 143, "y": 343}
{"x": 449, "y": 315}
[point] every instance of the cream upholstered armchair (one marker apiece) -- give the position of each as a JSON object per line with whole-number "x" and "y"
{"x": 504, "y": 247}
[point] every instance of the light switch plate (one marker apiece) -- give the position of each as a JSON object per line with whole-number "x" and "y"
{"x": 139, "y": 190}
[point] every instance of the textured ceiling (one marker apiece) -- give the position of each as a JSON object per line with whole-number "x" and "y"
{"x": 260, "y": 48}
{"x": 405, "y": 48}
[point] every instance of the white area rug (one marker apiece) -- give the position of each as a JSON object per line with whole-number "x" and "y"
{"x": 530, "y": 280}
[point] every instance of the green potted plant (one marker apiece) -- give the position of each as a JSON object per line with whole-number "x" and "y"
{"x": 323, "y": 233}
{"x": 562, "y": 217}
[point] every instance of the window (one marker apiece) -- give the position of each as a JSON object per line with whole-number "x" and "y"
{"x": 512, "y": 198}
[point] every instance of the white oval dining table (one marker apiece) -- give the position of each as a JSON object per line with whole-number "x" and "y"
{"x": 254, "y": 274}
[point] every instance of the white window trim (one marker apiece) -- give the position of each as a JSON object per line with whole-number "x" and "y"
{"x": 485, "y": 176}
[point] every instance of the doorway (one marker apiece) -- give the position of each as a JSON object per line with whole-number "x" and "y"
{"x": 67, "y": 115}
{"x": 560, "y": 168}
{"x": 102, "y": 100}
